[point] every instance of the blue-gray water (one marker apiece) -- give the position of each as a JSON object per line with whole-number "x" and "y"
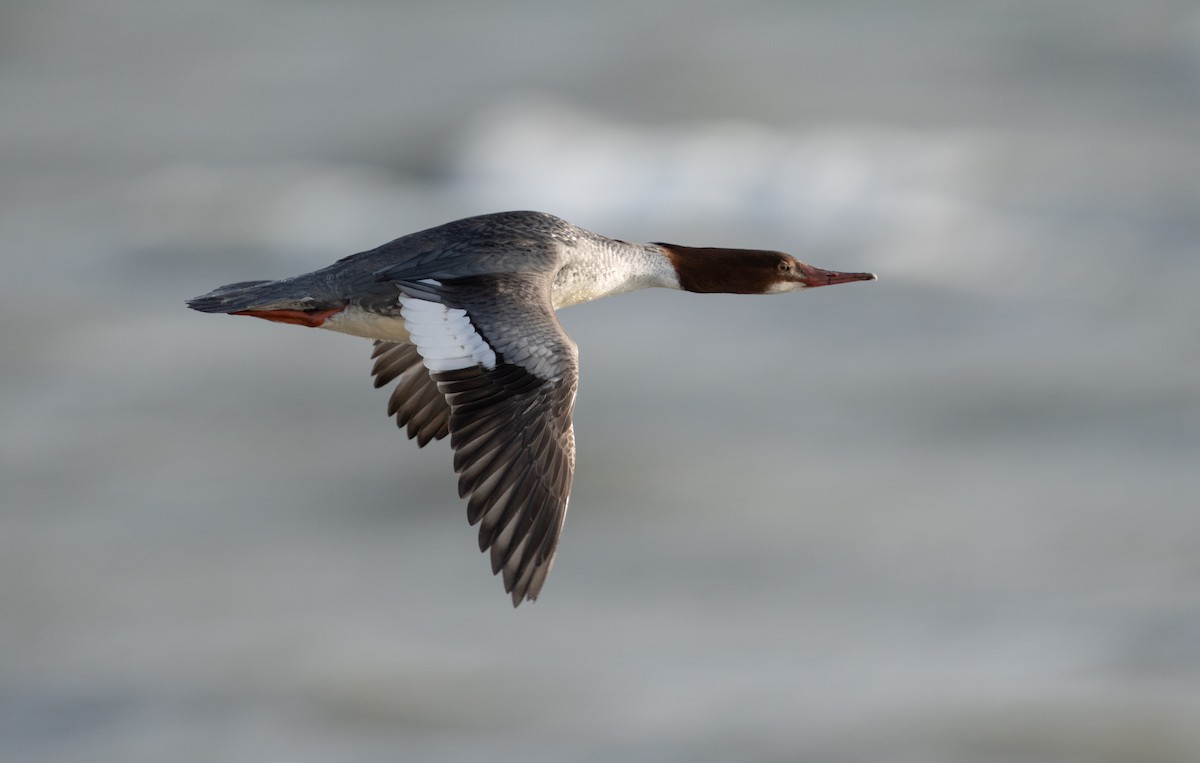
{"x": 948, "y": 516}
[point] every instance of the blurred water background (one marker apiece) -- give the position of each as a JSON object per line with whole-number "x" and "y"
{"x": 948, "y": 516}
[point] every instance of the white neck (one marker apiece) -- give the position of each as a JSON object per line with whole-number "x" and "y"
{"x": 601, "y": 267}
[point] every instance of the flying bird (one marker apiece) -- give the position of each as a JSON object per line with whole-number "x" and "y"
{"x": 463, "y": 318}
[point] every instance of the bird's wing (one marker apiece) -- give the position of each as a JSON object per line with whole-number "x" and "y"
{"x": 416, "y": 401}
{"x": 509, "y": 373}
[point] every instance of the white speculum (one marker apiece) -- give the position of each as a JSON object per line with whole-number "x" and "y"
{"x": 445, "y": 336}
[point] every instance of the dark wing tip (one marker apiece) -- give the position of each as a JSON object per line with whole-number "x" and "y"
{"x": 514, "y": 452}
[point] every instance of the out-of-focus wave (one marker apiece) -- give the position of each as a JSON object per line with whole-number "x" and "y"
{"x": 902, "y": 197}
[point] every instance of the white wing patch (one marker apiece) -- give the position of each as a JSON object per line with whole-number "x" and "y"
{"x": 445, "y": 336}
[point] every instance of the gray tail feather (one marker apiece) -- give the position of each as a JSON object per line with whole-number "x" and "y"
{"x": 234, "y": 296}
{"x": 258, "y": 295}
{"x": 286, "y": 294}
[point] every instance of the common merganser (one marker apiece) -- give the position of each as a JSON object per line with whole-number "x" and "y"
{"x": 463, "y": 316}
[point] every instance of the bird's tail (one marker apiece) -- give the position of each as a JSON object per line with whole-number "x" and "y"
{"x": 235, "y": 297}
{"x": 260, "y": 296}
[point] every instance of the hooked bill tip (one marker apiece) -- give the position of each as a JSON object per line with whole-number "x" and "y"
{"x": 814, "y": 276}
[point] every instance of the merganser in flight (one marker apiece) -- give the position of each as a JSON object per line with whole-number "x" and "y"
{"x": 463, "y": 317}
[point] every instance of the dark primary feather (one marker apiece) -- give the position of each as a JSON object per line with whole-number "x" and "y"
{"x": 515, "y": 454}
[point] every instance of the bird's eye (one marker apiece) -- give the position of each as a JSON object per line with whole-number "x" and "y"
{"x": 785, "y": 266}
